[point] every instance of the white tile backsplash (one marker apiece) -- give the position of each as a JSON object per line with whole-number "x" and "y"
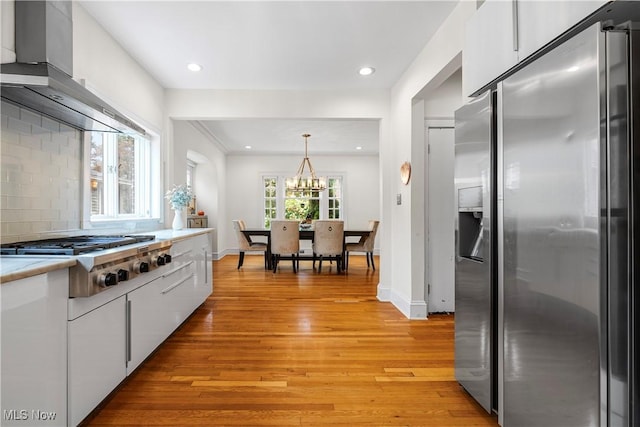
{"x": 40, "y": 177}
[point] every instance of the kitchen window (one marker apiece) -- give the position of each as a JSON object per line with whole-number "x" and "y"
{"x": 303, "y": 205}
{"x": 120, "y": 176}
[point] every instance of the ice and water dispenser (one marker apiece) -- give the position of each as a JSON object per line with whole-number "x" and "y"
{"x": 470, "y": 223}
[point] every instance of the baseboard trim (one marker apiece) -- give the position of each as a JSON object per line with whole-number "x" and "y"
{"x": 415, "y": 310}
{"x": 383, "y": 294}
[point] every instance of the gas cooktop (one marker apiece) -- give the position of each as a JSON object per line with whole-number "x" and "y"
{"x": 72, "y": 245}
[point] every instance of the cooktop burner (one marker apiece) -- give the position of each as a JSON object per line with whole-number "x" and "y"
{"x": 72, "y": 245}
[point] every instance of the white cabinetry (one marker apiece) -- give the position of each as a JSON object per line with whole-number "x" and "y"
{"x": 34, "y": 350}
{"x": 196, "y": 250}
{"x": 156, "y": 310}
{"x": 7, "y": 32}
{"x": 539, "y": 22}
{"x": 110, "y": 341}
{"x": 503, "y": 33}
{"x": 489, "y": 44}
{"x": 146, "y": 326}
{"x": 96, "y": 357}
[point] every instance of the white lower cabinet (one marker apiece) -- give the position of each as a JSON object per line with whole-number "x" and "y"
{"x": 156, "y": 310}
{"x": 97, "y": 352}
{"x": 33, "y": 349}
{"x": 177, "y": 293}
{"x": 109, "y": 342}
{"x": 145, "y": 323}
{"x": 197, "y": 251}
{"x": 204, "y": 270}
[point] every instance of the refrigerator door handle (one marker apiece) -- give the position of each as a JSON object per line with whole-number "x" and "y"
{"x": 500, "y": 250}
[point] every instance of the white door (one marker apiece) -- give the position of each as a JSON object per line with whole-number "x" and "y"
{"x": 440, "y": 219}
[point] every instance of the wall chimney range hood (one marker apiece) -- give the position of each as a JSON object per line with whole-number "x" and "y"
{"x": 40, "y": 79}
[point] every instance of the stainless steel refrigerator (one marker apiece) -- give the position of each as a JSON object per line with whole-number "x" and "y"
{"x": 563, "y": 350}
{"x": 475, "y": 261}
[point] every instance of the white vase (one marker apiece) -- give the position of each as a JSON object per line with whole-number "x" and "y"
{"x": 178, "y": 220}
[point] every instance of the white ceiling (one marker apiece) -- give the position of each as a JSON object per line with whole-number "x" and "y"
{"x": 275, "y": 45}
{"x": 270, "y": 136}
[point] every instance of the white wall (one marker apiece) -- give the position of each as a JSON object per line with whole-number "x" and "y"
{"x": 220, "y": 104}
{"x": 102, "y": 65}
{"x": 440, "y": 103}
{"x": 43, "y": 158}
{"x": 245, "y": 191}
{"x": 210, "y": 178}
{"x": 401, "y": 272}
{"x": 113, "y": 75}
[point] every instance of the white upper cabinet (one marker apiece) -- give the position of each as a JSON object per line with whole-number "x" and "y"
{"x": 539, "y": 22}
{"x": 503, "y": 33}
{"x": 7, "y": 32}
{"x": 489, "y": 45}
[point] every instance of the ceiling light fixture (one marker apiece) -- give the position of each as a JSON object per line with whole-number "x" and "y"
{"x": 194, "y": 67}
{"x": 366, "y": 71}
{"x": 311, "y": 182}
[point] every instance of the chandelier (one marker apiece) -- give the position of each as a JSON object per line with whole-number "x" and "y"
{"x": 310, "y": 182}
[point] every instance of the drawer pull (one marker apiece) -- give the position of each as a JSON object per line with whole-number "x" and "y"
{"x": 170, "y": 272}
{"x": 182, "y": 253}
{"x": 175, "y": 285}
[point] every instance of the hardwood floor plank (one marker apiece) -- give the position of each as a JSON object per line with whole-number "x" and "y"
{"x": 302, "y": 349}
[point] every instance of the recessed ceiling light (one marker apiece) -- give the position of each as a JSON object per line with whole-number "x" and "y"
{"x": 366, "y": 71}
{"x": 248, "y": 147}
{"x": 358, "y": 148}
{"x": 194, "y": 67}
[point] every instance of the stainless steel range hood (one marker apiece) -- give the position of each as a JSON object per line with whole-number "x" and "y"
{"x": 40, "y": 79}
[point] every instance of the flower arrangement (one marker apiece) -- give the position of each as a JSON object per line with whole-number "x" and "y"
{"x": 179, "y": 196}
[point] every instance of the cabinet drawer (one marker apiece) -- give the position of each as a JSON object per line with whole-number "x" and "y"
{"x": 96, "y": 357}
{"x": 155, "y": 310}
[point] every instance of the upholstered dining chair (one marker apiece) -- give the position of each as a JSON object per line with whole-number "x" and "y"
{"x": 364, "y": 245}
{"x": 285, "y": 242}
{"x": 246, "y": 245}
{"x": 328, "y": 241}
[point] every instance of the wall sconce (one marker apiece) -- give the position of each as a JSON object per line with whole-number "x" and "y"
{"x": 405, "y": 172}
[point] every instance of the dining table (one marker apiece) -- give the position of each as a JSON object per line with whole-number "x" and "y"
{"x": 305, "y": 234}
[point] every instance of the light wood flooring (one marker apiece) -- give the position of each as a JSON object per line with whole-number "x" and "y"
{"x": 302, "y": 349}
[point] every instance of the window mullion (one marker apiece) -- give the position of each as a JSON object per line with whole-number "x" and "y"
{"x": 111, "y": 175}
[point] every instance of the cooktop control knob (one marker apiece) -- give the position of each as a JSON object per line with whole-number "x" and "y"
{"x": 167, "y": 258}
{"x": 157, "y": 260}
{"x": 107, "y": 279}
{"x": 141, "y": 267}
{"x": 123, "y": 275}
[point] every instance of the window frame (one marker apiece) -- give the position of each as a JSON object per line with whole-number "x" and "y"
{"x": 146, "y": 176}
{"x": 281, "y": 197}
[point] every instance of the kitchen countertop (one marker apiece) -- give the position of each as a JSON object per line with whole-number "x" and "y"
{"x": 15, "y": 267}
{"x": 177, "y": 235}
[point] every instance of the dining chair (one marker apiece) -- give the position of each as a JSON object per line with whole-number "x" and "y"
{"x": 364, "y": 245}
{"x": 245, "y": 244}
{"x": 328, "y": 242}
{"x": 285, "y": 242}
